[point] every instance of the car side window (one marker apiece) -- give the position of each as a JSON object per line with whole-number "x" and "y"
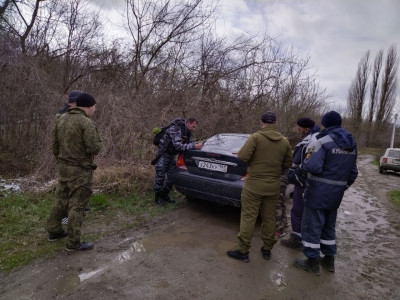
{"x": 394, "y": 153}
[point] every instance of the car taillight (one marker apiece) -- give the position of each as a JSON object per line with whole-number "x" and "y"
{"x": 180, "y": 163}
{"x": 244, "y": 177}
{"x": 385, "y": 160}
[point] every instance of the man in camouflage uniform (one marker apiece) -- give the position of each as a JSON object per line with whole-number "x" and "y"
{"x": 280, "y": 215}
{"x": 71, "y": 103}
{"x": 177, "y": 139}
{"x": 75, "y": 142}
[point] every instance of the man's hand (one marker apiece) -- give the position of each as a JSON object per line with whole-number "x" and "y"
{"x": 198, "y": 146}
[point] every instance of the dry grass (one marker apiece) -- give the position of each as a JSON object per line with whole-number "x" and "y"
{"x": 124, "y": 177}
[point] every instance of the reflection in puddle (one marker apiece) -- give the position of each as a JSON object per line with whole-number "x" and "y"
{"x": 123, "y": 257}
{"x": 136, "y": 247}
{"x": 85, "y": 276}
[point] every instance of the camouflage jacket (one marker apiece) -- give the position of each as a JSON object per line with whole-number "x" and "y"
{"x": 179, "y": 135}
{"x": 75, "y": 140}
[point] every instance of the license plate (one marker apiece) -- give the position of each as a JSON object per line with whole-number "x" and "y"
{"x": 213, "y": 166}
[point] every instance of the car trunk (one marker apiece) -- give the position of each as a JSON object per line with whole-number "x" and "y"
{"x": 213, "y": 165}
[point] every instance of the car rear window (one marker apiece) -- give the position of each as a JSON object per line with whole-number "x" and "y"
{"x": 394, "y": 153}
{"x": 226, "y": 142}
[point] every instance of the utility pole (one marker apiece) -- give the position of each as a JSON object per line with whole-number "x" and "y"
{"x": 394, "y": 129}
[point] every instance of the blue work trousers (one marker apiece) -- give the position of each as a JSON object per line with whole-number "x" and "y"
{"x": 318, "y": 232}
{"x": 296, "y": 213}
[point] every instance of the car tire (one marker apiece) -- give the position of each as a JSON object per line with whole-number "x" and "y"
{"x": 381, "y": 170}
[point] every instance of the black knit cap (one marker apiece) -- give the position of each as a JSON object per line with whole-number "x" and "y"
{"x": 73, "y": 95}
{"x": 85, "y": 100}
{"x": 268, "y": 117}
{"x": 305, "y": 122}
{"x": 331, "y": 119}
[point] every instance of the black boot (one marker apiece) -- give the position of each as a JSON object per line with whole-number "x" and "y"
{"x": 167, "y": 197}
{"x": 292, "y": 243}
{"x": 236, "y": 254}
{"x": 159, "y": 198}
{"x": 328, "y": 261}
{"x": 310, "y": 265}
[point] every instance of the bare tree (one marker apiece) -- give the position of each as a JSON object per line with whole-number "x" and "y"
{"x": 3, "y": 8}
{"x": 357, "y": 93}
{"x": 20, "y": 22}
{"x": 388, "y": 87}
{"x": 156, "y": 27}
{"x": 374, "y": 88}
{"x": 374, "y": 91}
{"x": 174, "y": 59}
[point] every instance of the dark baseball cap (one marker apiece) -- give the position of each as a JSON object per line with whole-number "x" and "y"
{"x": 268, "y": 117}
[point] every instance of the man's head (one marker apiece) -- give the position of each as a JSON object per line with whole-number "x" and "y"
{"x": 331, "y": 119}
{"x": 304, "y": 125}
{"x": 268, "y": 118}
{"x": 87, "y": 103}
{"x": 72, "y": 97}
{"x": 191, "y": 124}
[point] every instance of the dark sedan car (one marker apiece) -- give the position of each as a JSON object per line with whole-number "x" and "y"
{"x": 213, "y": 173}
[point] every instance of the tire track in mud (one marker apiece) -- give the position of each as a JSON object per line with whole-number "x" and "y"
{"x": 368, "y": 232}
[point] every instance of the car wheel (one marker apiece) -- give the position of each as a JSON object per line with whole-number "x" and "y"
{"x": 381, "y": 170}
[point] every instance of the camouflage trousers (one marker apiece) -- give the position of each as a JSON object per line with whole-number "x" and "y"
{"x": 165, "y": 171}
{"x": 73, "y": 190}
{"x": 280, "y": 215}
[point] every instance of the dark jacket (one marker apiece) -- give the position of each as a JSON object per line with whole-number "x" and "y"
{"x": 299, "y": 152}
{"x": 331, "y": 164}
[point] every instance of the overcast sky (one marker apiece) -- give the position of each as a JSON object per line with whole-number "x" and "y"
{"x": 334, "y": 33}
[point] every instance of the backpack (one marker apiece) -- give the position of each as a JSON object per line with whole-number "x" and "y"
{"x": 159, "y": 133}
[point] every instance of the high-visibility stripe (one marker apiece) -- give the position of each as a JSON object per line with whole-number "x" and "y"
{"x": 311, "y": 245}
{"x": 325, "y": 180}
{"x": 325, "y": 139}
{"x": 303, "y": 142}
{"x": 318, "y": 246}
{"x": 318, "y": 143}
{"x": 328, "y": 242}
{"x": 297, "y": 233}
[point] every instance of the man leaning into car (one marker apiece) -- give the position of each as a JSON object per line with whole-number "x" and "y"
{"x": 267, "y": 152}
{"x": 177, "y": 139}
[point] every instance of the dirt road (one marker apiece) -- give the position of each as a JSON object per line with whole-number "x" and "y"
{"x": 183, "y": 256}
